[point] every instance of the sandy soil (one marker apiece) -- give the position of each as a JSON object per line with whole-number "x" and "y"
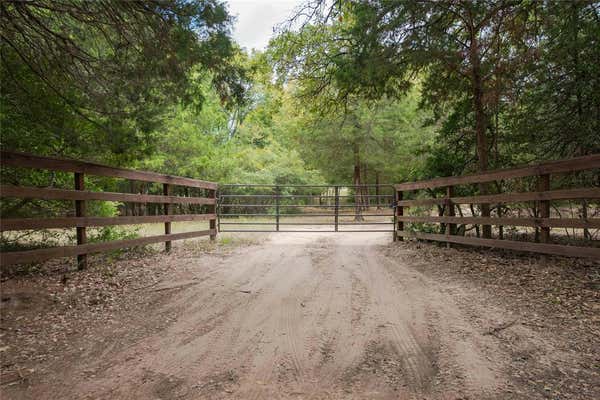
{"x": 301, "y": 316}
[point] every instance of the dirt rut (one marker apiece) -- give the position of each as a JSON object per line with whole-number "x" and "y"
{"x": 311, "y": 316}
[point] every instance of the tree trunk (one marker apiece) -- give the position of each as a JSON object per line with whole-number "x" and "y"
{"x": 441, "y": 212}
{"x": 357, "y": 181}
{"x": 480, "y": 124}
{"x": 366, "y": 201}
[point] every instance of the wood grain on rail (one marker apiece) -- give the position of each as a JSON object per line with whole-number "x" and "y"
{"x": 56, "y": 164}
{"x": 29, "y": 256}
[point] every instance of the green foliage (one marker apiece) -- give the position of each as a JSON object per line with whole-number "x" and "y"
{"x": 30, "y": 240}
{"x": 560, "y": 90}
{"x": 111, "y": 233}
{"x": 204, "y": 144}
{"x": 506, "y": 82}
{"x": 94, "y": 79}
{"x": 379, "y": 131}
{"x": 366, "y": 92}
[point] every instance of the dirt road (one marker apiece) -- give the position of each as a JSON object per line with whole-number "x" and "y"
{"x": 302, "y": 316}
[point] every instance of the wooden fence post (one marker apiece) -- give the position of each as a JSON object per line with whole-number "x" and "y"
{"x": 544, "y": 185}
{"x": 80, "y": 212}
{"x": 212, "y": 194}
{"x": 399, "y": 213}
{"x": 218, "y": 209}
{"x": 395, "y": 204}
{"x": 450, "y": 227}
{"x": 167, "y": 210}
{"x": 500, "y": 227}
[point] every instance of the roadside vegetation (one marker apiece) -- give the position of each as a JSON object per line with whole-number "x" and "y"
{"x": 347, "y": 92}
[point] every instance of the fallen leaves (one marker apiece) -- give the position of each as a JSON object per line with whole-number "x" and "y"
{"x": 42, "y": 313}
{"x": 551, "y": 295}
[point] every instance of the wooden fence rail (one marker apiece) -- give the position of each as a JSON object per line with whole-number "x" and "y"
{"x": 79, "y": 195}
{"x": 542, "y": 197}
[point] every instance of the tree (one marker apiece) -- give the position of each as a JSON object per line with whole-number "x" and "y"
{"x": 356, "y": 145}
{"x": 112, "y": 65}
{"x": 558, "y": 95}
{"x": 375, "y": 48}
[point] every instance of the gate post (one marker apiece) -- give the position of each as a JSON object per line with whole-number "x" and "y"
{"x": 399, "y": 213}
{"x": 80, "y": 212}
{"x": 395, "y": 204}
{"x": 167, "y": 211}
{"x": 337, "y": 206}
{"x": 218, "y": 194}
{"x": 277, "y": 193}
{"x": 212, "y": 224}
{"x": 450, "y": 227}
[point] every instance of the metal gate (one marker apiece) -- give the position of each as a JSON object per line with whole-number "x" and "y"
{"x": 306, "y": 208}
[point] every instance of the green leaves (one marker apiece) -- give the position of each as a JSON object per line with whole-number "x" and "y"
{"x": 104, "y": 73}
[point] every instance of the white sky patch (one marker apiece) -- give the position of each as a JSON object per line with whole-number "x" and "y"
{"x": 256, "y": 19}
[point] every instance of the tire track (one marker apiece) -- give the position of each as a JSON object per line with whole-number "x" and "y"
{"x": 326, "y": 316}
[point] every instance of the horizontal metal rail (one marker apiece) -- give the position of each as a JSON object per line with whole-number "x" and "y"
{"x": 307, "y": 223}
{"x": 311, "y": 231}
{"x": 301, "y": 196}
{"x": 303, "y": 205}
{"x": 270, "y": 200}
{"x": 303, "y": 186}
{"x": 304, "y": 215}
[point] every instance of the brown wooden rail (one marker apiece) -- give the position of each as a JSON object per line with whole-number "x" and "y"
{"x": 79, "y": 195}
{"x": 542, "y": 197}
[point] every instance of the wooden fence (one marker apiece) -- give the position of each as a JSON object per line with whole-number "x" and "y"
{"x": 80, "y": 221}
{"x": 543, "y": 198}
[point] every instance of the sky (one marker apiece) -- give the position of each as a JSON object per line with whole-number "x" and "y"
{"x": 256, "y": 19}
